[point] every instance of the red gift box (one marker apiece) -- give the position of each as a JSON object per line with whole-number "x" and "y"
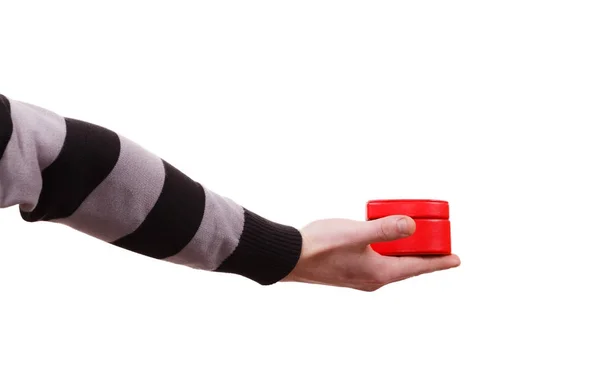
{"x": 432, "y": 219}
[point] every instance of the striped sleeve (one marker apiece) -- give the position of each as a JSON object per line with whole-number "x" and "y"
{"x": 93, "y": 180}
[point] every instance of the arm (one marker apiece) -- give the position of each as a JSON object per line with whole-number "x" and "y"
{"x": 90, "y": 178}
{"x": 87, "y": 177}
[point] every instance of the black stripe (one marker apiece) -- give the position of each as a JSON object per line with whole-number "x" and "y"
{"x": 267, "y": 251}
{"x": 172, "y": 222}
{"x": 88, "y": 155}
{"x": 6, "y": 126}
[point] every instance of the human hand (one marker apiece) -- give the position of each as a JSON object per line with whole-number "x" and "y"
{"x": 337, "y": 252}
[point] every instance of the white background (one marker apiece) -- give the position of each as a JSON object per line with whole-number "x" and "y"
{"x": 301, "y": 110}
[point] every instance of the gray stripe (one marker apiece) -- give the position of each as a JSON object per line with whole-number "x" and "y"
{"x": 122, "y": 201}
{"x": 216, "y": 238}
{"x": 36, "y": 141}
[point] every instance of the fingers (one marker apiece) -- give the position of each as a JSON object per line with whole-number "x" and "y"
{"x": 399, "y": 268}
{"x": 384, "y": 229}
{"x": 386, "y": 270}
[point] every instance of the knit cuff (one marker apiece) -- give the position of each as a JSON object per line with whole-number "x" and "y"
{"x": 267, "y": 251}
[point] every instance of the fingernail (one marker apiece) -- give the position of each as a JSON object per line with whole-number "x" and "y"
{"x": 403, "y": 225}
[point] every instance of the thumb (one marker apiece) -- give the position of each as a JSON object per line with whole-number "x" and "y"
{"x": 386, "y": 229}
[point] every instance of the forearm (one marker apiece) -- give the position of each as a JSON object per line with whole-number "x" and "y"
{"x": 92, "y": 179}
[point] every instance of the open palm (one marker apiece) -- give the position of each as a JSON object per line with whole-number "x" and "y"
{"x": 337, "y": 252}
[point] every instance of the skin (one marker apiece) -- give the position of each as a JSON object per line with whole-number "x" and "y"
{"x": 337, "y": 252}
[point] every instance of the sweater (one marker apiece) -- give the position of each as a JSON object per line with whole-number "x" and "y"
{"x": 90, "y": 178}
